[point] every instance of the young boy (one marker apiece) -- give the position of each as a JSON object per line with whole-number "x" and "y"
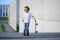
{"x": 26, "y": 19}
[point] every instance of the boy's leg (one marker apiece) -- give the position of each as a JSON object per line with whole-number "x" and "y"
{"x": 24, "y": 28}
{"x": 27, "y": 29}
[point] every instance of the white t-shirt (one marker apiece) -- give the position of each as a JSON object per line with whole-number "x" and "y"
{"x": 27, "y": 17}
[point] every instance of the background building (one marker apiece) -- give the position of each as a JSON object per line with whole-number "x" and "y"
{"x": 47, "y": 13}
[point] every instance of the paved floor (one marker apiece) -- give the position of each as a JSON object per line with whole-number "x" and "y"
{"x": 12, "y": 35}
{"x": 35, "y": 39}
{"x": 19, "y": 36}
{"x": 8, "y": 28}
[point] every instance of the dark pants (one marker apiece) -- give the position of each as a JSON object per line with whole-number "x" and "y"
{"x": 26, "y": 29}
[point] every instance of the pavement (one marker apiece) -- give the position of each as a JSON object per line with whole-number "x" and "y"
{"x": 12, "y": 35}
{"x": 35, "y": 39}
{"x": 8, "y": 28}
{"x": 33, "y": 36}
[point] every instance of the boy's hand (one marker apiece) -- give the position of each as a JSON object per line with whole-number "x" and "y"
{"x": 22, "y": 20}
{"x": 35, "y": 20}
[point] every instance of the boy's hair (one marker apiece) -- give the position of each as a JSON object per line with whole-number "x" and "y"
{"x": 27, "y": 7}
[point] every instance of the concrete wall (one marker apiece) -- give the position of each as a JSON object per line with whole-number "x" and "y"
{"x": 12, "y": 16}
{"x": 47, "y": 13}
{"x": 51, "y": 16}
{"x": 51, "y": 9}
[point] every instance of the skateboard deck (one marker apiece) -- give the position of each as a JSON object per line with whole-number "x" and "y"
{"x": 36, "y": 26}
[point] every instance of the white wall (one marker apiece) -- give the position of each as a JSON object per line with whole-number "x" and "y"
{"x": 47, "y": 13}
{"x": 51, "y": 16}
{"x": 51, "y": 9}
{"x": 12, "y": 16}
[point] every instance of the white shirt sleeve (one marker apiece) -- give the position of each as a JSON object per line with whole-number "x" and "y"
{"x": 31, "y": 15}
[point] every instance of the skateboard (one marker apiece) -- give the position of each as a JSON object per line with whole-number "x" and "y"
{"x": 35, "y": 27}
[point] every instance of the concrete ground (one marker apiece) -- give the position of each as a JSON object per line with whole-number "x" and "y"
{"x": 8, "y": 28}
{"x": 19, "y": 36}
{"x": 35, "y": 39}
{"x": 10, "y": 34}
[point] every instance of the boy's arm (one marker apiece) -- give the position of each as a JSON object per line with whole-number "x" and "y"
{"x": 22, "y": 19}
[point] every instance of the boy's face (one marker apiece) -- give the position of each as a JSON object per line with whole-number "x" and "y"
{"x": 26, "y": 10}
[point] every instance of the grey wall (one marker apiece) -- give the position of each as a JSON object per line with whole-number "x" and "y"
{"x": 51, "y": 9}
{"x": 12, "y": 16}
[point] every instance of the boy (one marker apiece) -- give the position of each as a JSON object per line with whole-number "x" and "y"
{"x": 26, "y": 19}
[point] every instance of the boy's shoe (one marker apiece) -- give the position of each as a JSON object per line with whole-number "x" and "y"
{"x": 27, "y": 34}
{"x": 24, "y": 34}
